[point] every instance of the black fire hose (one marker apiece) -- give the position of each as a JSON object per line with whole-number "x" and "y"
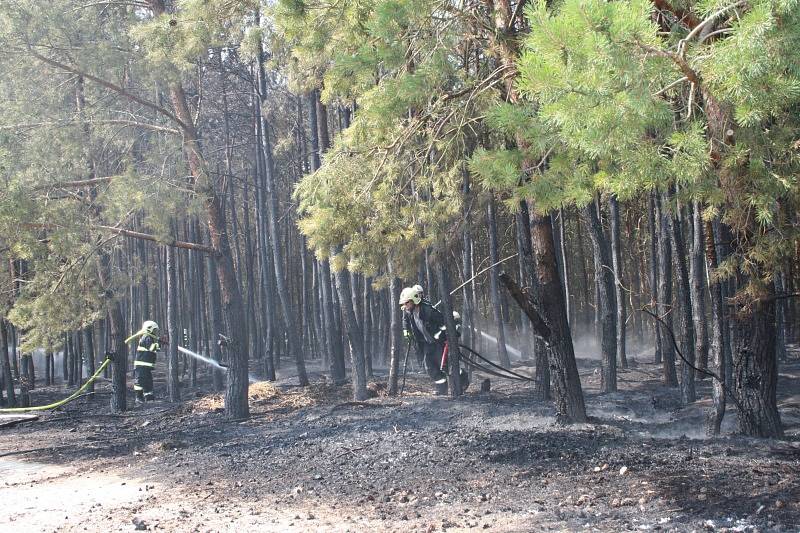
{"x": 513, "y": 375}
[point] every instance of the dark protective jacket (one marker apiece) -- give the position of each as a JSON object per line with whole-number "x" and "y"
{"x": 146, "y": 351}
{"x": 432, "y": 320}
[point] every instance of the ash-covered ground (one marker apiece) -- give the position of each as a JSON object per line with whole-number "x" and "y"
{"x": 310, "y": 461}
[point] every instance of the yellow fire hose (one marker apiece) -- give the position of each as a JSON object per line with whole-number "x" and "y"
{"x": 65, "y": 400}
{"x": 137, "y": 334}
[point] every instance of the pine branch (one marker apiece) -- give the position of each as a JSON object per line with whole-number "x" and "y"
{"x": 678, "y": 59}
{"x": 708, "y": 20}
{"x": 108, "y": 85}
{"x": 135, "y": 235}
{"x": 78, "y": 184}
{"x": 144, "y": 125}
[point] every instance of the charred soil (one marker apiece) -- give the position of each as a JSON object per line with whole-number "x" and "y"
{"x": 310, "y": 460}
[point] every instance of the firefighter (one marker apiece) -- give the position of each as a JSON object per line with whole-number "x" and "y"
{"x": 424, "y": 324}
{"x": 145, "y": 361}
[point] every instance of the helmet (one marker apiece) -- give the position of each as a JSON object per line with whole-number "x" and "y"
{"x": 456, "y": 317}
{"x": 149, "y": 327}
{"x": 419, "y": 290}
{"x": 410, "y": 294}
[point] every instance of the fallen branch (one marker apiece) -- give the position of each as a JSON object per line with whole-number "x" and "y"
{"x": 364, "y": 404}
{"x": 7, "y": 421}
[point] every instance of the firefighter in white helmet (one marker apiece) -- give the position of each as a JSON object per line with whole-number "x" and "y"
{"x": 145, "y": 362}
{"x": 424, "y": 324}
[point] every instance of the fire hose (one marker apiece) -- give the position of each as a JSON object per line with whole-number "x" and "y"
{"x": 69, "y": 398}
{"x": 509, "y": 374}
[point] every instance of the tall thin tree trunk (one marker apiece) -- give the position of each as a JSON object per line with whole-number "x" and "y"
{"x": 395, "y": 347}
{"x": 562, "y": 242}
{"x": 697, "y": 283}
{"x": 684, "y": 306}
{"x": 665, "y": 308}
{"x": 619, "y": 282}
{"x": 214, "y": 320}
{"x": 604, "y": 279}
{"x": 494, "y": 257}
{"x": 173, "y": 385}
{"x": 655, "y": 261}
{"x": 8, "y": 378}
{"x": 353, "y": 334}
{"x": 88, "y": 344}
{"x": 717, "y": 348}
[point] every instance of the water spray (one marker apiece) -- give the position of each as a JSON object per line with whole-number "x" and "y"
{"x": 494, "y": 340}
{"x": 216, "y": 364}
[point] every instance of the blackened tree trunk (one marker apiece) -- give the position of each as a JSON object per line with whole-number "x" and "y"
{"x": 353, "y": 335}
{"x": 780, "y": 317}
{"x": 368, "y": 329}
{"x": 697, "y": 284}
{"x": 562, "y": 248}
{"x": 541, "y": 352}
{"x": 684, "y": 307}
{"x": 8, "y": 378}
{"x": 332, "y": 336}
{"x": 250, "y": 275}
{"x": 717, "y": 346}
{"x": 619, "y": 282}
{"x": 755, "y": 368}
{"x": 88, "y": 350}
{"x": 604, "y": 278}
{"x": 47, "y": 366}
{"x": 65, "y": 361}
{"x": 71, "y": 348}
{"x": 453, "y": 351}
{"x": 494, "y": 289}
{"x": 214, "y": 320}
{"x": 655, "y": 261}
{"x": 173, "y": 385}
{"x": 116, "y": 333}
{"x": 396, "y": 345}
{"x": 582, "y": 319}
{"x": 264, "y": 254}
{"x": 568, "y": 393}
{"x": 24, "y": 382}
{"x": 665, "y": 295}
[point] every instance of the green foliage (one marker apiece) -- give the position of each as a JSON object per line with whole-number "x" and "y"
{"x": 598, "y": 81}
{"x": 46, "y": 141}
{"x": 390, "y": 187}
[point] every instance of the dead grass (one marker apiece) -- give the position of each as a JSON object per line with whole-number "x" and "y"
{"x": 264, "y": 397}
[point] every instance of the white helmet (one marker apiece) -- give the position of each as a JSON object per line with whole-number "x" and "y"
{"x": 149, "y": 327}
{"x": 410, "y": 294}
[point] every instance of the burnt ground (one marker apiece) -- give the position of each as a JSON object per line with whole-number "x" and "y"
{"x": 309, "y": 461}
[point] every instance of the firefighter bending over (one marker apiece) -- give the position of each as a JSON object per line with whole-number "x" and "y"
{"x": 425, "y": 324}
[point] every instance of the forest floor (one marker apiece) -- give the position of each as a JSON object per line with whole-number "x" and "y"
{"x": 310, "y": 461}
